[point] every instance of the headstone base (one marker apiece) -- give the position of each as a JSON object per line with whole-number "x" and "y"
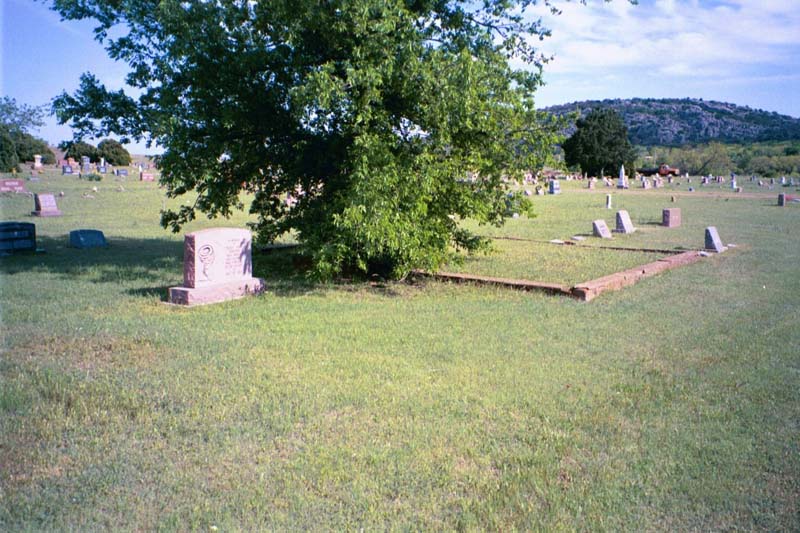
{"x": 219, "y": 292}
{"x": 52, "y": 213}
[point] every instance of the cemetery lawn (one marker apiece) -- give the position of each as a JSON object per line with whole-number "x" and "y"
{"x": 673, "y": 404}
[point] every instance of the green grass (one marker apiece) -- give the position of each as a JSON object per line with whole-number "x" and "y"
{"x": 673, "y": 404}
{"x": 537, "y": 261}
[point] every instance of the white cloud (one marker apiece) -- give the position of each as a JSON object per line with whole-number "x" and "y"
{"x": 673, "y": 37}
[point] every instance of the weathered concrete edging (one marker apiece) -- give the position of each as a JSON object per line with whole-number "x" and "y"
{"x": 589, "y": 290}
{"x": 585, "y": 291}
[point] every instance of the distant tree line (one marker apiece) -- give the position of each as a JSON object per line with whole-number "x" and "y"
{"x": 109, "y": 149}
{"x": 761, "y": 159}
{"x": 16, "y": 144}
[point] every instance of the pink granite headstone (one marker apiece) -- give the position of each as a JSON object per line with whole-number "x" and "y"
{"x": 146, "y": 176}
{"x": 217, "y": 266}
{"x": 671, "y": 218}
{"x": 45, "y": 206}
{"x": 12, "y": 186}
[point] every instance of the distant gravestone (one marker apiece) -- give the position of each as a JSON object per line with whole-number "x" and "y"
{"x": 608, "y": 201}
{"x": 590, "y": 184}
{"x": 102, "y": 169}
{"x": 217, "y": 266}
{"x": 87, "y": 238}
{"x": 713, "y": 241}
{"x": 66, "y": 169}
{"x": 146, "y": 176}
{"x": 624, "y": 224}
{"x": 45, "y": 206}
{"x": 17, "y": 237}
{"x": 671, "y": 218}
{"x": 86, "y": 169}
{"x": 85, "y": 160}
{"x": 12, "y": 186}
{"x": 555, "y": 187}
{"x": 733, "y": 184}
{"x": 645, "y": 183}
{"x": 122, "y": 172}
{"x": 599, "y": 229}
{"x": 782, "y": 200}
{"x": 37, "y": 161}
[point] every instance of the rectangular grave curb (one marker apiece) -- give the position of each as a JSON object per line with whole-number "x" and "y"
{"x": 585, "y": 291}
{"x": 589, "y": 290}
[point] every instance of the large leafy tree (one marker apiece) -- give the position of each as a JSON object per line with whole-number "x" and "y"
{"x": 113, "y": 152}
{"x": 355, "y": 123}
{"x": 78, "y": 149}
{"x": 600, "y": 143}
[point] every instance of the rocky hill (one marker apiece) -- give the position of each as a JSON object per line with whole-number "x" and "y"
{"x": 675, "y": 122}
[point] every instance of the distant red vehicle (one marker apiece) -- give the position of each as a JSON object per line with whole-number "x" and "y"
{"x": 663, "y": 170}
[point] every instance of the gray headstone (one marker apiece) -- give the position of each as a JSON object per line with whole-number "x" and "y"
{"x": 624, "y": 224}
{"x": 713, "y": 241}
{"x": 671, "y": 217}
{"x": 608, "y": 201}
{"x": 599, "y": 229}
{"x": 87, "y": 238}
{"x": 782, "y": 200}
{"x": 17, "y": 237}
{"x": 555, "y": 187}
{"x": 66, "y": 169}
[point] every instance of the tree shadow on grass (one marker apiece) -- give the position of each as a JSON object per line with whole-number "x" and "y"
{"x": 151, "y": 265}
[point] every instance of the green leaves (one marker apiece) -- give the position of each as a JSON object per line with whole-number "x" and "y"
{"x": 355, "y": 123}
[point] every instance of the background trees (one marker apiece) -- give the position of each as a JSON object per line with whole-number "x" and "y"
{"x": 369, "y": 115}
{"x": 600, "y": 144}
{"x": 16, "y": 144}
{"x": 113, "y": 152}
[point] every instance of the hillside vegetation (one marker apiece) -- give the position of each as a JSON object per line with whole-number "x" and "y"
{"x": 676, "y": 122}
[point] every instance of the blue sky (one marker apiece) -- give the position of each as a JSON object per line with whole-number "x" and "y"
{"x": 742, "y": 51}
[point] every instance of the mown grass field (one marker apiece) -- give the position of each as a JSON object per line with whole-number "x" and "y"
{"x": 673, "y": 404}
